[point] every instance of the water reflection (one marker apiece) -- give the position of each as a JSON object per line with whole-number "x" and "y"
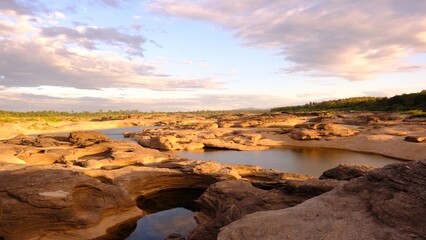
{"x": 170, "y": 211}
{"x": 117, "y": 133}
{"x": 311, "y": 161}
{"x": 160, "y": 225}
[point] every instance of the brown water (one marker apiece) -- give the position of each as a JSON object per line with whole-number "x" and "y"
{"x": 310, "y": 161}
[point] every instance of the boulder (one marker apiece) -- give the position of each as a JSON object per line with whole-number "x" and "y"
{"x": 304, "y": 134}
{"x": 57, "y": 203}
{"x": 127, "y": 134}
{"x": 331, "y": 129}
{"x": 310, "y": 187}
{"x": 211, "y": 168}
{"x": 21, "y": 140}
{"x": 314, "y": 131}
{"x": 346, "y": 172}
{"x": 228, "y": 201}
{"x": 416, "y": 139}
{"x": 87, "y": 138}
{"x": 389, "y": 203}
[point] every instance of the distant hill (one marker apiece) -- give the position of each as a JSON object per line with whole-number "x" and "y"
{"x": 404, "y": 102}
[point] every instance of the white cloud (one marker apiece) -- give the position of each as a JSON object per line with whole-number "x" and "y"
{"x": 84, "y": 57}
{"x": 355, "y": 40}
{"x": 67, "y": 99}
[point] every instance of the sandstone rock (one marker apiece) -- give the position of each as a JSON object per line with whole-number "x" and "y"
{"x": 346, "y": 172}
{"x": 87, "y": 138}
{"x": 314, "y": 131}
{"x": 127, "y": 134}
{"x": 184, "y": 139}
{"x": 39, "y": 141}
{"x": 54, "y": 203}
{"x": 211, "y": 168}
{"x": 304, "y": 134}
{"x": 228, "y": 201}
{"x": 225, "y": 124}
{"x": 416, "y": 139}
{"x": 308, "y": 125}
{"x": 21, "y": 140}
{"x": 330, "y": 129}
{"x": 119, "y": 153}
{"x": 167, "y": 143}
{"x": 389, "y": 202}
{"x": 310, "y": 187}
{"x": 175, "y": 236}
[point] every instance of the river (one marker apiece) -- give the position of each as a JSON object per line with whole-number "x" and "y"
{"x": 180, "y": 218}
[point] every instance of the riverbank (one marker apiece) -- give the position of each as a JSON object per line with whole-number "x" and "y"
{"x": 70, "y": 186}
{"x": 377, "y": 133}
{"x": 386, "y": 134}
{"x": 10, "y": 130}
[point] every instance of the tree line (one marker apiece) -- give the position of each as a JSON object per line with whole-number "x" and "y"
{"x": 404, "y": 102}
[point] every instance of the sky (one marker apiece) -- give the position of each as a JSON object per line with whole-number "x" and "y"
{"x": 185, "y": 55}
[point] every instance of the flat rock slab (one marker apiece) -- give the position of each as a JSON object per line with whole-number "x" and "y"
{"x": 388, "y": 203}
{"x": 37, "y": 202}
{"x": 416, "y": 139}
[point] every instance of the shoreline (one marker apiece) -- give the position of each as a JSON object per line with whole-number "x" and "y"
{"x": 371, "y": 141}
{"x": 89, "y": 180}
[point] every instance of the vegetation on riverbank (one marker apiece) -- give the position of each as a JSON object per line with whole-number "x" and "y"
{"x": 56, "y": 116}
{"x": 414, "y": 102}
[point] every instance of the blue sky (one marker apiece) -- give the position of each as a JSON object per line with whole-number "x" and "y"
{"x": 170, "y": 55}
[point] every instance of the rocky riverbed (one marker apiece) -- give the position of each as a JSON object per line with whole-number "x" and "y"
{"x": 82, "y": 185}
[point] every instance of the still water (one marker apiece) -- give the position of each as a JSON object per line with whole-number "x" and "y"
{"x": 173, "y": 211}
{"x": 117, "y": 133}
{"x": 310, "y": 161}
{"x": 169, "y": 212}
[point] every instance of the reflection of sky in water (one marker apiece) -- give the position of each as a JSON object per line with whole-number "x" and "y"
{"x": 158, "y": 226}
{"x": 311, "y": 161}
{"x": 114, "y": 133}
{"x": 117, "y": 133}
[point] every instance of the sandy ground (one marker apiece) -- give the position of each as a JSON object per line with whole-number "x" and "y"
{"x": 10, "y": 130}
{"x": 387, "y": 141}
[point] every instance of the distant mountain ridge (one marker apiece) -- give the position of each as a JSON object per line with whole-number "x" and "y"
{"x": 404, "y": 102}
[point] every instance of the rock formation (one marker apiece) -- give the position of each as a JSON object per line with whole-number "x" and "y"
{"x": 346, "y": 172}
{"x": 387, "y": 203}
{"x": 56, "y": 203}
{"x": 315, "y": 131}
{"x": 416, "y": 139}
{"x": 227, "y": 201}
{"x": 84, "y": 185}
{"x": 182, "y": 138}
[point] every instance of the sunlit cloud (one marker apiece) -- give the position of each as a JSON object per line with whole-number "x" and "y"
{"x": 69, "y": 99}
{"x": 355, "y": 40}
{"x": 36, "y": 50}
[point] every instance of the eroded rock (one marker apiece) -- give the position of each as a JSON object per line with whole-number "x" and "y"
{"x": 227, "y": 201}
{"x": 346, "y": 172}
{"x": 389, "y": 202}
{"x": 55, "y": 202}
{"x": 315, "y": 131}
{"x": 87, "y": 138}
{"x": 184, "y": 139}
{"x": 416, "y": 139}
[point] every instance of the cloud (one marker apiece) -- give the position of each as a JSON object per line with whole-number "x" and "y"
{"x": 111, "y": 3}
{"x": 68, "y": 99}
{"x": 87, "y": 37}
{"x": 15, "y": 6}
{"x": 355, "y": 40}
{"x": 46, "y": 53}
